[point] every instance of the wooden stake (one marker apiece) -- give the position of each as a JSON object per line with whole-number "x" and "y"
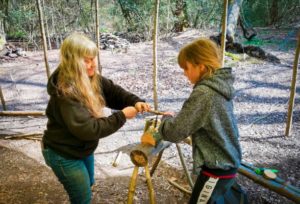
{"x": 22, "y": 113}
{"x": 155, "y": 29}
{"x": 132, "y": 185}
{"x": 2, "y": 99}
{"x": 293, "y": 90}
{"x": 155, "y": 165}
{"x": 149, "y": 183}
{"x": 98, "y": 35}
{"x": 41, "y": 18}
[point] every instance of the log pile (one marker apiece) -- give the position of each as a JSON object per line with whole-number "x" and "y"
{"x": 253, "y": 51}
{"x": 113, "y": 42}
{"x": 11, "y": 51}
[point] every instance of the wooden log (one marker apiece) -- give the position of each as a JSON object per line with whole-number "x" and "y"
{"x": 132, "y": 185}
{"x": 22, "y": 113}
{"x": 275, "y": 185}
{"x": 141, "y": 154}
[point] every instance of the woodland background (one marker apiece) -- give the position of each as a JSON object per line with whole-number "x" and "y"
{"x": 262, "y": 86}
{"x": 133, "y": 19}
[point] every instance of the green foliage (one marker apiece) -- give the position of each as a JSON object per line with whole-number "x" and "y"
{"x": 271, "y": 12}
{"x": 20, "y": 22}
{"x": 136, "y": 16}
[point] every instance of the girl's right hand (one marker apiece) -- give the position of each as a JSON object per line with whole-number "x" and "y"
{"x": 130, "y": 112}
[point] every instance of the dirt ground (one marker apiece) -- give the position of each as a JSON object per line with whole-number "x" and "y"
{"x": 261, "y": 104}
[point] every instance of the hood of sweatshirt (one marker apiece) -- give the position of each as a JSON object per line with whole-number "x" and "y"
{"x": 52, "y": 83}
{"x": 221, "y": 82}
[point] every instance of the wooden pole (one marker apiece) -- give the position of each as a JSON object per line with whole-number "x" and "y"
{"x": 155, "y": 165}
{"x": 22, "y": 113}
{"x": 155, "y": 29}
{"x": 277, "y": 185}
{"x": 149, "y": 184}
{"x": 2, "y": 99}
{"x": 224, "y": 25}
{"x": 40, "y": 12}
{"x": 293, "y": 90}
{"x": 132, "y": 185}
{"x": 184, "y": 166}
{"x": 98, "y": 35}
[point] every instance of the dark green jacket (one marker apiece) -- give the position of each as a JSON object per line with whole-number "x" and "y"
{"x": 207, "y": 115}
{"x": 71, "y": 130}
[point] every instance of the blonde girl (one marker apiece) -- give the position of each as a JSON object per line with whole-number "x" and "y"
{"x": 76, "y": 122}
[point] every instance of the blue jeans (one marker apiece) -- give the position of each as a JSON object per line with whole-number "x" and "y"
{"x": 76, "y": 175}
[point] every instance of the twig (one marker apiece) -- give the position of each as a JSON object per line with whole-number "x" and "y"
{"x": 171, "y": 181}
{"x": 156, "y": 112}
{"x": 117, "y": 160}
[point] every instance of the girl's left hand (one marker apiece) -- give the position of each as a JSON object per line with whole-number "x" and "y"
{"x": 142, "y": 107}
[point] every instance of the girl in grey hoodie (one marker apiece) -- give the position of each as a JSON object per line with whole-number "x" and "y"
{"x": 207, "y": 116}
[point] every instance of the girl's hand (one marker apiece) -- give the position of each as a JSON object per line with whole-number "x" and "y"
{"x": 142, "y": 107}
{"x": 130, "y": 112}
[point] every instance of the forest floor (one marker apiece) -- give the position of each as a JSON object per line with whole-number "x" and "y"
{"x": 261, "y": 103}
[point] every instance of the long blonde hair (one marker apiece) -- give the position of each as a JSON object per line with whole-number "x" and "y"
{"x": 201, "y": 51}
{"x": 73, "y": 80}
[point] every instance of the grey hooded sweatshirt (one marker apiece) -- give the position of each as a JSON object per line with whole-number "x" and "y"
{"x": 207, "y": 116}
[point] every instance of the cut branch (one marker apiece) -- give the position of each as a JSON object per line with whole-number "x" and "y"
{"x": 22, "y": 113}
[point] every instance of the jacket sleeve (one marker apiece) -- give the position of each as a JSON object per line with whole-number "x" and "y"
{"x": 116, "y": 97}
{"x": 86, "y": 127}
{"x": 193, "y": 115}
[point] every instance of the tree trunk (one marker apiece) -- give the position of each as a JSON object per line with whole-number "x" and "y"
{"x": 233, "y": 16}
{"x": 3, "y": 9}
{"x": 274, "y": 12}
{"x": 180, "y": 14}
